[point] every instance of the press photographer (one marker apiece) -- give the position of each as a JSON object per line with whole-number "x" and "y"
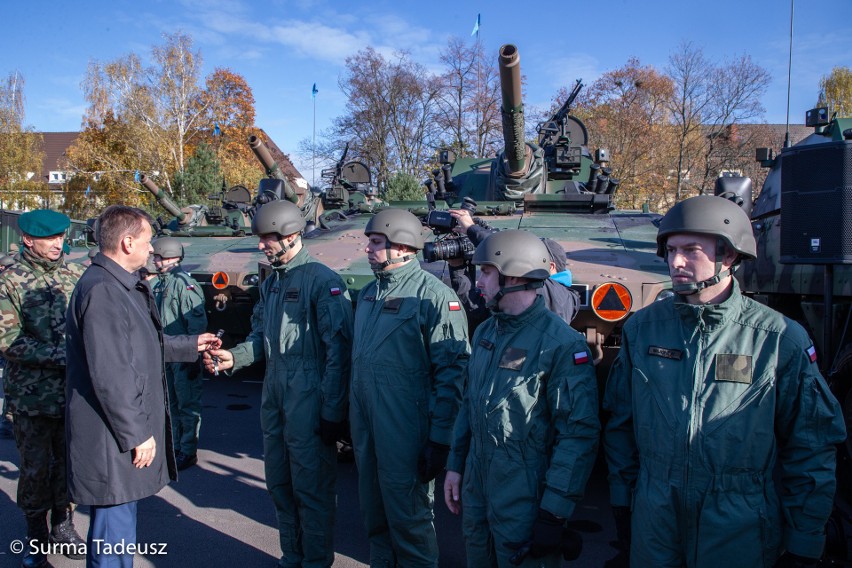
{"x": 558, "y": 295}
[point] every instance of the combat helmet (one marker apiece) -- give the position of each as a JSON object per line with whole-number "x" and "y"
{"x": 713, "y": 216}
{"x": 399, "y": 227}
{"x": 515, "y": 253}
{"x": 168, "y": 247}
{"x": 282, "y": 217}
{"x": 709, "y": 215}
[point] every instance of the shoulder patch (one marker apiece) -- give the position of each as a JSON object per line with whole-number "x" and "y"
{"x": 811, "y": 353}
{"x": 190, "y": 286}
{"x": 334, "y": 291}
{"x": 581, "y": 358}
{"x": 455, "y": 306}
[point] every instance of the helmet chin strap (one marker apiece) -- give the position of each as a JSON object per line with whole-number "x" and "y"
{"x": 279, "y": 256}
{"x": 494, "y": 303}
{"x": 690, "y": 288}
{"x": 380, "y": 266}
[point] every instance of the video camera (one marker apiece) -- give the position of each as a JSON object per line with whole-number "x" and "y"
{"x": 452, "y": 246}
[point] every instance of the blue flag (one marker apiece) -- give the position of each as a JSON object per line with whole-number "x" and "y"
{"x": 88, "y": 190}
{"x": 476, "y": 26}
{"x": 136, "y": 177}
{"x": 314, "y": 91}
{"x": 216, "y": 130}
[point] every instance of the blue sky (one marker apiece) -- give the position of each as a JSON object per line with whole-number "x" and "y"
{"x": 283, "y": 47}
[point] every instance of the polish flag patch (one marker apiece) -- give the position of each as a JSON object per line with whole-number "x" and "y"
{"x": 190, "y": 287}
{"x": 581, "y": 358}
{"x": 455, "y": 306}
{"x": 334, "y": 291}
{"x": 811, "y": 351}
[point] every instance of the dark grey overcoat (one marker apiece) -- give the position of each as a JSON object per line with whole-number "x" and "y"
{"x": 115, "y": 388}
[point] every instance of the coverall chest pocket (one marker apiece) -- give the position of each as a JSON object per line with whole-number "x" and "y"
{"x": 512, "y": 416}
{"x": 738, "y": 422}
{"x": 397, "y": 328}
{"x": 658, "y": 408}
{"x": 293, "y": 320}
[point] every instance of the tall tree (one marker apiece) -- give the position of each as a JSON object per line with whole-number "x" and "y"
{"x": 21, "y": 154}
{"x": 689, "y": 72}
{"x": 230, "y": 115}
{"x": 836, "y": 89}
{"x": 160, "y": 104}
{"x": 390, "y": 113}
{"x": 468, "y": 109}
{"x": 735, "y": 90}
{"x": 626, "y": 113}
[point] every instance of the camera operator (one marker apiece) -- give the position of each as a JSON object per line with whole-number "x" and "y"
{"x": 559, "y": 297}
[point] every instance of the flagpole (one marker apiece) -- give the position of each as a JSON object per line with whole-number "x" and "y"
{"x": 314, "y": 142}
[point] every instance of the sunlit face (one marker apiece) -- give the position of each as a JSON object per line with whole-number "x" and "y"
{"x": 270, "y": 245}
{"x": 375, "y": 249}
{"x": 47, "y": 248}
{"x": 488, "y": 281}
{"x": 691, "y": 257}
{"x": 139, "y": 247}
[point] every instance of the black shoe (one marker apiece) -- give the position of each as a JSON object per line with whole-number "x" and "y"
{"x": 37, "y": 537}
{"x": 184, "y": 461}
{"x": 64, "y": 534}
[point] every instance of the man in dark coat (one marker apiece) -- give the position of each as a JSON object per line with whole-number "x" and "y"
{"x": 117, "y": 420}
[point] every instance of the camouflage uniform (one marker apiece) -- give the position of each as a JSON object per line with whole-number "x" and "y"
{"x": 5, "y": 419}
{"x": 181, "y": 304}
{"x": 33, "y": 298}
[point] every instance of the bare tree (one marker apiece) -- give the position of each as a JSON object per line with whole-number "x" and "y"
{"x": 469, "y": 104}
{"x": 390, "y": 113}
{"x": 689, "y": 72}
{"x": 735, "y": 91}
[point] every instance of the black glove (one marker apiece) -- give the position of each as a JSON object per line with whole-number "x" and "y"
{"x": 622, "y": 526}
{"x": 330, "y": 432}
{"x": 572, "y": 544}
{"x": 432, "y": 460}
{"x": 547, "y": 534}
{"x": 790, "y": 560}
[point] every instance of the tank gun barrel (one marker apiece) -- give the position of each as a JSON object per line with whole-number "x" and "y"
{"x": 163, "y": 199}
{"x": 513, "y": 108}
{"x": 271, "y": 166}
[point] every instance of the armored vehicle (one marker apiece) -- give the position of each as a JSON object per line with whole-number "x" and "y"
{"x": 557, "y": 188}
{"x": 802, "y": 221}
{"x": 219, "y": 252}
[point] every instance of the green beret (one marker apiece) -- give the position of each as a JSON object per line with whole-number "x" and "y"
{"x": 43, "y": 223}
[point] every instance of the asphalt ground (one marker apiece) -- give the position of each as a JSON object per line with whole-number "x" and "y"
{"x": 219, "y": 514}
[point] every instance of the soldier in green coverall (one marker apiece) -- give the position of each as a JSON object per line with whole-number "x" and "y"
{"x": 408, "y": 363}
{"x": 181, "y": 305}
{"x": 713, "y": 398}
{"x": 527, "y": 433}
{"x": 302, "y": 326}
{"x": 34, "y": 295}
